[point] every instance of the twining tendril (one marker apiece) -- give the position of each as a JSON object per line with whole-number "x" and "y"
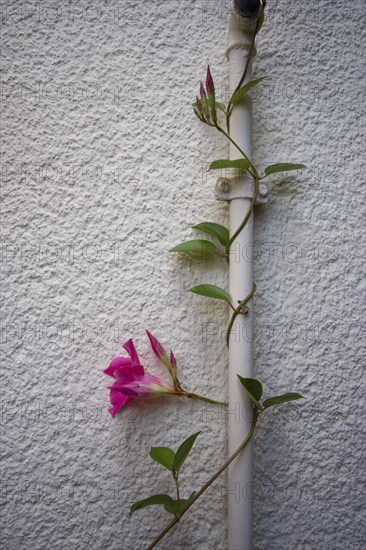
{"x": 237, "y": 311}
{"x": 247, "y": 216}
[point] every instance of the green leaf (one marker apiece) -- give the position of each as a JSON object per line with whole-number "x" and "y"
{"x": 172, "y": 508}
{"x": 164, "y": 456}
{"x": 284, "y": 398}
{"x": 211, "y": 291}
{"x": 165, "y": 500}
{"x": 282, "y": 167}
{"x": 208, "y": 104}
{"x": 183, "y": 451}
{"x": 240, "y": 94}
{"x": 179, "y": 505}
{"x": 242, "y": 164}
{"x": 220, "y": 106}
{"x": 215, "y": 230}
{"x": 199, "y": 245}
{"x": 253, "y": 388}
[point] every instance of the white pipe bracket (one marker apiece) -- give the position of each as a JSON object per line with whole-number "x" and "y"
{"x": 227, "y": 189}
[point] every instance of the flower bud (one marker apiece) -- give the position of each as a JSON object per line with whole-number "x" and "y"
{"x": 210, "y": 87}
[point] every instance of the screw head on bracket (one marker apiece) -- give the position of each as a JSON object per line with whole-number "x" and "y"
{"x": 224, "y": 185}
{"x": 263, "y": 189}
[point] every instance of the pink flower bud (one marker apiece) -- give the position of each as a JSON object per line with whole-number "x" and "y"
{"x": 173, "y": 361}
{"x": 198, "y": 106}
{"x": 202, "y": 91}
{"x": 209, "y": 82}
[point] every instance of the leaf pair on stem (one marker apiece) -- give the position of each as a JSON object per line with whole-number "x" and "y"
{"x": 173, "y": 462}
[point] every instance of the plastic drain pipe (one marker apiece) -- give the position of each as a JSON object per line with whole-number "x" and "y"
{"x": 239, "y": 193}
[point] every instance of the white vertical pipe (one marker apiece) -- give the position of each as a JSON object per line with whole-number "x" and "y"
{"x": 240, "y": 493}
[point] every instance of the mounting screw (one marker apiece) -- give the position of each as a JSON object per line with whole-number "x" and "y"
{"x": 263, "y": 189}
{"x": 224, "y": 185}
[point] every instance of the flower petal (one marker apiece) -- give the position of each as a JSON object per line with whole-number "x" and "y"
{"x": 129, "y": 346}
{"x": 124, "y": 375}
{"x": 127, "y": 391}
{"x": 116, "y": 363}
{"x": 145, "y": 386}
{"x": 118, "y": 400}
{"x": 154, "y": 380}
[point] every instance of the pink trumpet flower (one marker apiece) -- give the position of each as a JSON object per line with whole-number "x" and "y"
{"x": 132, "y": 382}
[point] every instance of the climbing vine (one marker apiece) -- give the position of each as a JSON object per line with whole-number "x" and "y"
{"x": 131, "y": 381}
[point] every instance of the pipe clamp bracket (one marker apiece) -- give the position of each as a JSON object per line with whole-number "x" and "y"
{"x": 227, "y": 189}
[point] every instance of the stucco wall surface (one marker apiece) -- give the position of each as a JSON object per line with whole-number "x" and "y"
{"x": 104, "y": 168}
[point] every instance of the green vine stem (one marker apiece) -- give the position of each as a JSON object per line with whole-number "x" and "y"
{"x": 182, "y": 393}
{"x": 237, "y": 311}
{"x": 175, "y": 475}
{"x": 254, "y": 173}
{"x": 209, "y": 482}
{"x": 230, "y": 106}
{"x": 205, "y": 399}
{"x": 247, "y": 216}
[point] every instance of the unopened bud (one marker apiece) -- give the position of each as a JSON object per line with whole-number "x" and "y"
{"x": 210, "y": 87}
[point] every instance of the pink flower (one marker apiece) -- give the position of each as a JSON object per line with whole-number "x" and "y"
{"x": 131, "y": 380}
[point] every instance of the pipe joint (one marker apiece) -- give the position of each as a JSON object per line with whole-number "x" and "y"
{"x": 241, "y": 29}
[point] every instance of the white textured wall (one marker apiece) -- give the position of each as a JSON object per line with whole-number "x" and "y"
{"x": 104, "y": 169}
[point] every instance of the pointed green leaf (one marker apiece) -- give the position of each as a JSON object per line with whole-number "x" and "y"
{"x": 172, "y": 508}
{"x": 284, "y": 398}
{"x": 183, "y": 451}
{"x": 179, "y": 505}
{"x": 215, "y": 230}
{"x": 220, "y": 106}
{"x": 164, "y": 456}
{"x": 211, "y": 291}
{"x": 220, "y": 164}
{"x": 208, "y": 104}
{"x": 240, "y": 94}
{"x": 165, "y": 500}
{"x": 282, "y": 167}
{"x": 253, "y": 388}
{"x": 199, "y": 245}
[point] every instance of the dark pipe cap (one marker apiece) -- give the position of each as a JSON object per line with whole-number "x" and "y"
{"x": 247, "y": 7}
